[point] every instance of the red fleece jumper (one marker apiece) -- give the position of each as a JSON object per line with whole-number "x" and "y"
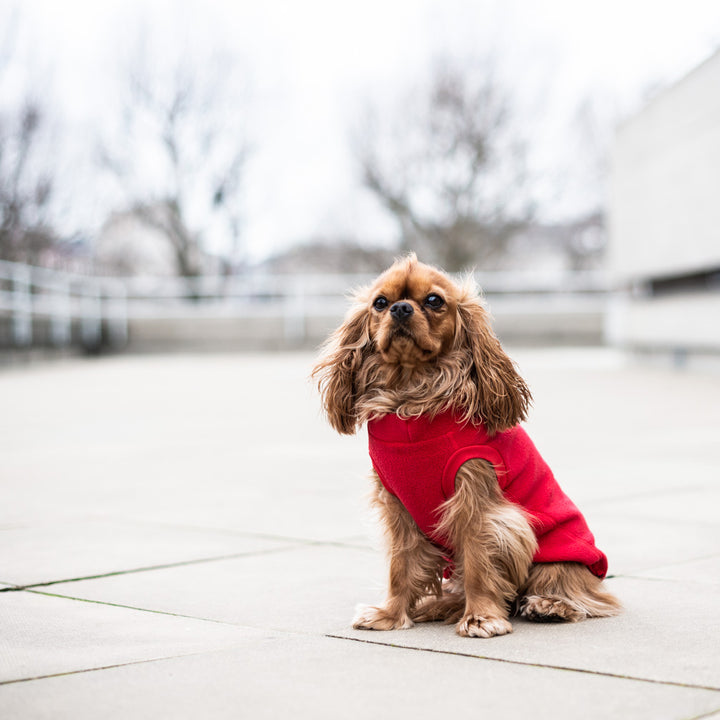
{"x": 417, "y": 460}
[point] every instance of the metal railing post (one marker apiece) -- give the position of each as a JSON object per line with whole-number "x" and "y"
{"x": 22, "y": 330}
{"x": 61, "y": 317}
{"x": 116, "y": 314}
{"x": 91, "y": 316}
{"x": 294, "y": 314}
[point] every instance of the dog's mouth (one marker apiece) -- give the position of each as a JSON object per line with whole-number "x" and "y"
{"x": 401, "y": 345}
{"x": 401, "y": 331}
{"x": 398, "y": 335}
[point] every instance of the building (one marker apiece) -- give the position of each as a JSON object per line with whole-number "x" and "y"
{"x": 127, "y": 246}
{"x": 664, "y": 221}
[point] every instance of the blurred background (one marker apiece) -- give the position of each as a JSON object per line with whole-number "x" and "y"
{"x": 217, "y": 175}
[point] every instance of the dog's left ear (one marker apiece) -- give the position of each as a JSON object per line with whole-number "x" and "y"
{"x": 498, "y": 394}
{"x": 337, "y": 369}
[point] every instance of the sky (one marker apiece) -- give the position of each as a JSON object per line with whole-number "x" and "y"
{"x": 308, "y": 71}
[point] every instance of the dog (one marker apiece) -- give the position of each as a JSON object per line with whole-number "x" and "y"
{"x": 476, "y": 525}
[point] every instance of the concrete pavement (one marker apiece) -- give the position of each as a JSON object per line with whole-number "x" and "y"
{"x": 183, "y": 536}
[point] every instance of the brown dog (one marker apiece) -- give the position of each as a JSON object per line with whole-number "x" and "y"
{"x": 460, "y": 488}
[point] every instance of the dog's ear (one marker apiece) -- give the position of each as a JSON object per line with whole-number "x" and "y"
{"x": 498, "y": 394}
{"x": 336, "y": 371}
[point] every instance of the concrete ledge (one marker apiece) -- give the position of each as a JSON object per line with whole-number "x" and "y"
{"x": 514, "y": 322}
{"x": 675, "y": 323}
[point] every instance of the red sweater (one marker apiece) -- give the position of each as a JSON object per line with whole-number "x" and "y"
{"x": 417, "y": 461}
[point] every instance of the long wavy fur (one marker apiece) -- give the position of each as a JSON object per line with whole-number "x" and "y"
{"x": 475, "y": 378}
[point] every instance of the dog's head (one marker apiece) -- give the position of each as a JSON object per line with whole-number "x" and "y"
{"x": 416, "y": 342}
{"x": 412, "y": 313}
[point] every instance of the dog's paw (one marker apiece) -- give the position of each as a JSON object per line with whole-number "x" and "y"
{"x": 484, "y": 627}
{"x": 368, "y": 617}
{"x": 539, "y": 608}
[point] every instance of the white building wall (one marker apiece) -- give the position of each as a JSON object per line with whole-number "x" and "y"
{"x": 664, "y": 215}
{"x": 665, "y": 187}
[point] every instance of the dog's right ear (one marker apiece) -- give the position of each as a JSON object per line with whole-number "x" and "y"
{"x": 336, "y": 371}
{"x": 496, "y": 393}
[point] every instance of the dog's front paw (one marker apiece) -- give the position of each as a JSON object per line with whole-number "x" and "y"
{"x": 484, "y": 627}
{"x": 368, "y": 617}
{"x": 550, "y": 609}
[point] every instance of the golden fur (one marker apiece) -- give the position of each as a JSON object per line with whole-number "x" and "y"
{"x": 415, "y": 343}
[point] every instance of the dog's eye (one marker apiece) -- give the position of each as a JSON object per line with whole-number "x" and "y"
{"x": 434, "y": 301}
{"x": 380, "y": 303}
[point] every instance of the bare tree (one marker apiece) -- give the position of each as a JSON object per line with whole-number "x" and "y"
{"x": 583, "y": 179}
{"x": 449, "y": 169}
{"x": 25, "y": 180}
{"x": 180, "y": 156}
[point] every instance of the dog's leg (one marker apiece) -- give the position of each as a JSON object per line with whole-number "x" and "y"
{"x": 415, "y": 567}
{"x": 565, "y": 592}
{"x": 448, "y": 607}
{"x": 494, "y": 546}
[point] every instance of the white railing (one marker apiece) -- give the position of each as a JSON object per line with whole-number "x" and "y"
{"x": 95, "y": 311}
{"x": 69, "y": 308}
{"x": 297, "y": 299}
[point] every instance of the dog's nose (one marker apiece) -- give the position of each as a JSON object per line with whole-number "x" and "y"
{"x": 401, "y": 311}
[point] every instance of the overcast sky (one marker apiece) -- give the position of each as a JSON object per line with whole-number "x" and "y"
{"x": 311, "y": 66}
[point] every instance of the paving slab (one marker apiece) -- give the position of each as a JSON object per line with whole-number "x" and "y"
{"x": 160, "y": 459}
{"x": 692, "y": 500}
{"x": 286, "y": 676}
{"x": 55, "y": 551}
{"x": 303, "y": 589}
{"x": 143, "y": 439}
{"x": 665, "y": 634}
{"x": 611, "y": 428}
{"x": 44, "y": 635}
{"x": 636, "y": 544}
{"x": 703, "y": 571}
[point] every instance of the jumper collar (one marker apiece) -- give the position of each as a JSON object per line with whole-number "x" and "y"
{"x": 393, "y": 428}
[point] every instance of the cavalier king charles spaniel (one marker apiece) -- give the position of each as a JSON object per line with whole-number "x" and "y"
{"x": 476, "y": 524}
